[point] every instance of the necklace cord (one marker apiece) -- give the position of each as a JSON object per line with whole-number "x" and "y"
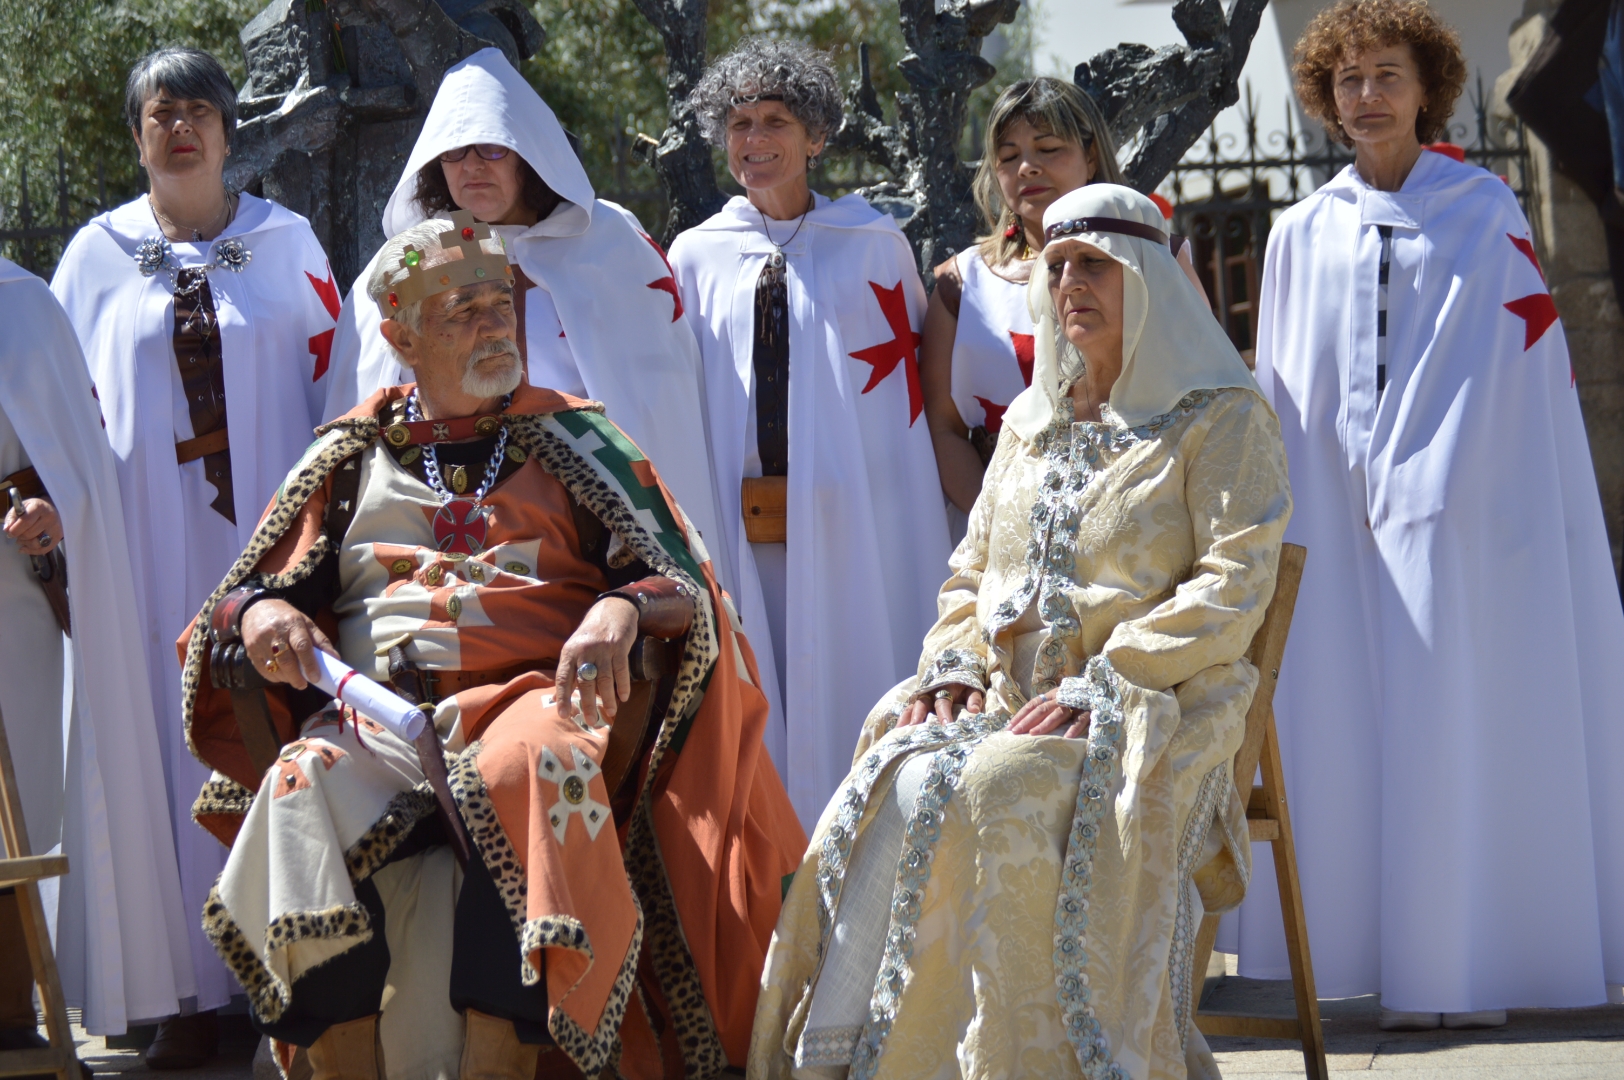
{"x": 811, "y": 203}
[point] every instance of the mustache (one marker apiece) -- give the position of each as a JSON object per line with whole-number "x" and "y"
{"x": 499, "y": 347}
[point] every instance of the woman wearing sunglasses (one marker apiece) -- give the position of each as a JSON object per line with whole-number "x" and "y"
{"x": 598, "y": 313}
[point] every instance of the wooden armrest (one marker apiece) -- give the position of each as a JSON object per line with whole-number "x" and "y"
{"x": 653, "y": 663}
{"x": 31, "y": 868}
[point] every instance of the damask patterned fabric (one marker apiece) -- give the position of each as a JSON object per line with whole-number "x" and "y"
{"x": 1045, "y": 892}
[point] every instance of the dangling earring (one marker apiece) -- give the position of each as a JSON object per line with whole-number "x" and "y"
{"x": 811, "y": 162}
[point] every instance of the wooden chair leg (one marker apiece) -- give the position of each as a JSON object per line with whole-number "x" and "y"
{"x": 59, "y": 1057}
{"x": 1291, "y": 910}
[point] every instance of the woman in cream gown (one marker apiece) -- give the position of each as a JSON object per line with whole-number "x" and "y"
{"x": 998, "y": 895}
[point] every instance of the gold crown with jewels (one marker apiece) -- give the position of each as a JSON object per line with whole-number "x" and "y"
{"x": 476, "y": 266}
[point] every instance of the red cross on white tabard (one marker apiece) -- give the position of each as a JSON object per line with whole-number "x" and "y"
{"x": 903, "y": 348}
{"x": 321, "y": 345}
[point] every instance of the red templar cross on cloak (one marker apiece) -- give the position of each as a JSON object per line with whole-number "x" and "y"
{"x": 1536, "y": 310}
{"x": 903, "y": 346}
{"x": 321, "y": 345}
{"x": 667, "y": 283}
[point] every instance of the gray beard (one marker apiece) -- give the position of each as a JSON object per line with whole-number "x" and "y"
{"x": 493, "y": 383}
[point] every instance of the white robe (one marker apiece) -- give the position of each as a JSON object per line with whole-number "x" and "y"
{"x": 603, "y": 320}
{"x": 1451, "y": 702}
{"x": 868, "y": 544}
{"x": 992, "y": 345}
{"x": 275, "y": 323}
{"x": 79, "y": 717}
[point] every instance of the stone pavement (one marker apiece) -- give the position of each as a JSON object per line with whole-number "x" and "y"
{"x": 1537, "y": 1044}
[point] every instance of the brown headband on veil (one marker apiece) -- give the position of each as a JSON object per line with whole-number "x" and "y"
{"x": 1104, "y": 224}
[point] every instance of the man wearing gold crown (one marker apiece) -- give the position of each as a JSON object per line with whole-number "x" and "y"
{"x": 501, "y": 545}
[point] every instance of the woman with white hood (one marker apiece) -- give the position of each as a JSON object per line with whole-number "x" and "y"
{"x": 1035, "y": 824}
{"x": 807, "y": 312}
{"x": 599, "y": 313}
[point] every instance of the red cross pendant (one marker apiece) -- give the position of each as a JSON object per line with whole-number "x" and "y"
{"x": 459, "y": 526}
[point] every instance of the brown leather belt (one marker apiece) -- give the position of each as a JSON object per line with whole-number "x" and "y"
{"x": 443, "y": 684}
{"x": 27, "y": 483}
{"x": 202, "y": 446}
{"x": 763, "y": 499}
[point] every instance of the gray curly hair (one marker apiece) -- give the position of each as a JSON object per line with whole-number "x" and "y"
{"x": 764, "y": 69}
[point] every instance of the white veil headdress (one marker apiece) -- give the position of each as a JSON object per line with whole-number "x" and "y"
{"x": 1171, "y": 344}
{"x": 483, "y": 99}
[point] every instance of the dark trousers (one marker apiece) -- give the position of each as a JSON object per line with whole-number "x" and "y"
{"x": 484, "y": 971}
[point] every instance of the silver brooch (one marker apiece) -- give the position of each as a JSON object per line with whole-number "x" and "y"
{"x": 155, "y": 254}
{"x": 151, "y": 255}
{"x": 232, "y": 255}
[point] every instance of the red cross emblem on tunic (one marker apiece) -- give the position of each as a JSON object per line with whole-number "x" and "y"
{"x": 321, "y": 345}
{"x": 460, "y": 526}
{"x": 901, "y": 349}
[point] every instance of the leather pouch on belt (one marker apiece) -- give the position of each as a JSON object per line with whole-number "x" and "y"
{"x": 764, "y": 498}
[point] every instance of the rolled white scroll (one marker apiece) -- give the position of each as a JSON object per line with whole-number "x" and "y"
{"x": 371, "y": 700}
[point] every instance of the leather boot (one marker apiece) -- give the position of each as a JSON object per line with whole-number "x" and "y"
{"x": 348, "y": 1051}
{"x": 185, "y": 1042}
{"x": 492, "y": 1050}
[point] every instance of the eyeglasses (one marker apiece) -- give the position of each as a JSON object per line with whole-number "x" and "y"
{"x": 488, "y": 151}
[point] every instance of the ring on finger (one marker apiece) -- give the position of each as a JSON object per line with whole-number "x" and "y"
{"x": 943, "y": 695}
{"x": 44, "y": 539}
{"x": 272, "y": 664}
{"x": 588, "y": 671}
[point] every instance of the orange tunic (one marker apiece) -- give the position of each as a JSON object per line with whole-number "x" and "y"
{"x": 699, "y": 865}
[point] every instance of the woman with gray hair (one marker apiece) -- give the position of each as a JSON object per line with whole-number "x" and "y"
{"x": 206, "y": 317}
{"x": 807, "y": 312}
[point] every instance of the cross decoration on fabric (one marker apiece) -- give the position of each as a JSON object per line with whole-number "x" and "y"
{"x": 574, "y": 792}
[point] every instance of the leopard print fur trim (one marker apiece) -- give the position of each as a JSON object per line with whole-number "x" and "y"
{"x": 702, "y": 1053}
{"x": 592, "y": 491}
{"x": 591, "y": 1051}
{"x": 269, "y": 994}
{"x": 307, "y": 475}
{"x": 479, "y": 813}
{"x": 368, "y": 854}
{"x": 222, "y": 797}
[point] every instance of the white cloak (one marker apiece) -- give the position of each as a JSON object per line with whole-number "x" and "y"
{"x": 276, "y": 321}
{"x": 79, "y": 717}
{"x": 868, "y": 545}
{"x": 603, "y": 321}
{"x": 1451, "y": 702}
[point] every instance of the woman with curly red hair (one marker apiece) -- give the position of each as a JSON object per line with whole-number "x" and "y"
{"x": 1451, "y": 701}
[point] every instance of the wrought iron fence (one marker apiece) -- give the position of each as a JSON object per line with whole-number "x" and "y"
{"x": 1228, "y": 191}
{"x": 28, "y": 238}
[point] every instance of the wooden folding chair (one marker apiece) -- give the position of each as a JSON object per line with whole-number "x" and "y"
{"x": 1269, "y": 820}
{"x": 23, "y": 871}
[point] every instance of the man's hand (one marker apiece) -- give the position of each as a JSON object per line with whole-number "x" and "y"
{"x": 282, "y": 641}
{"x": 37, "y": 529}
{"x": 927, "y": 706}
{"x": 604, "y": 640}
{"x": 1043, "y": 715}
